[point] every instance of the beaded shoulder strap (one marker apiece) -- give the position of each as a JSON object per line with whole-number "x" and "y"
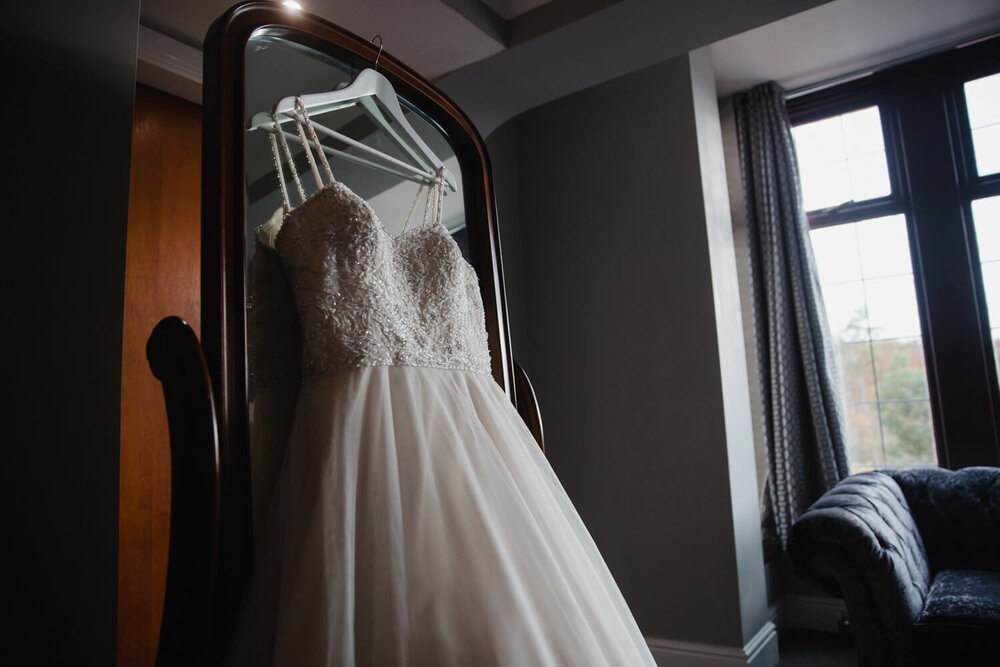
{"x": 301, "y": 118}
{"x": 435, "y": 194}
{"x": 303, "y": 127}
{"x": 278, "y": 137}
{"x": 433, "y": 204}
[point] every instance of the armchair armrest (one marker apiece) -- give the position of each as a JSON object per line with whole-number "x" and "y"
{"x": 860, "y": 540}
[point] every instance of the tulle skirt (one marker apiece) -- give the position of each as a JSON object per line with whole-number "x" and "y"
{"x": 416, "y": 522}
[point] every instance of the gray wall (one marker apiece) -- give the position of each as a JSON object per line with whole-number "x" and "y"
{"x": 502, "y": 148}
{"x": 741, "y": 238}
{"x": 620, "y": 262}
{"x": 730, "y": 343}
{"x": 70, "y": 78}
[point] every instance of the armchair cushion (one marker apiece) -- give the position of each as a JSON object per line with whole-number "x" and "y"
{"x": 963, "y": 597}
{"x": 960, "y": 624}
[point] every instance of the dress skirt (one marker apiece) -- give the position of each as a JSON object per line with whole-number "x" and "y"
{"x": 415, "y": 522}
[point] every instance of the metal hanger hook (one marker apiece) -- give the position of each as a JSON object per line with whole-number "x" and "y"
{"x": 379, "y": 54}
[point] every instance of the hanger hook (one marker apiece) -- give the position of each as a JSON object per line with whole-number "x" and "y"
{"x": 379, "y": 54}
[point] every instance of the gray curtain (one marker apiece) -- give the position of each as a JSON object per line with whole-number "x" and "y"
{"x": 800, "y": 389}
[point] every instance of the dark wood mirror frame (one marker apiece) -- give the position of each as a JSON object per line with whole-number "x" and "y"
{"x": 206, "y": 386}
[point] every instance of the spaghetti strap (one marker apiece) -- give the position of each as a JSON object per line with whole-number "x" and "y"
{"x": 285, "y": 203}
{"x": 433, "y": 202}
{"x": 301, "y": 108}
{"x": 406, "y": 223}
{"x": 291, "y": 162}
{"x": 439, "y": 190}
{"x": 427, "y": 203}
{"x": 309, "y": 156}
{"x": 433, "y": 210}
{"x": 436, "y": 190}
{"x": 278, "y": 137}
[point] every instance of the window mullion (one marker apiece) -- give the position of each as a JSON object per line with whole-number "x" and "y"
{"x": 961, "y": 378}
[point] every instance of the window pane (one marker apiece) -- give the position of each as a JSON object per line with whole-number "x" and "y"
{"x": 842, "y": 159}
{"x": 866, "y": 278}
{"x": 831, "y": 189}
{"x": 864, "y": 436}
{"x": 996, "y": 347}
{"x": 863, "y": 132}
{"x": 982, "y": 98}
{"x": 820, "y": 140}
{"x": 991, "y": 283}
{"x": 892, "y": 307}
{"x": 869, "y": 177}
{"x": 899, "y": 369}
{"x": 885, "y": 249}
{"x": 986, "y": 217}
{"x": 986, "y": 143}
{"x": 846, "y": 311}
{"x": 907, "y": 432}
{"x": 858, "y": 376}
{"x": 836, "y": 252}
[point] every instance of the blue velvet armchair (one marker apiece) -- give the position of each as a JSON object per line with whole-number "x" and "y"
{"x": 916, "y": 556}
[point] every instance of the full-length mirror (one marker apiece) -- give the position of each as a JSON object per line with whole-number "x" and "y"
{"x": 363, "y": 156}
{"x": 257, "y": 167}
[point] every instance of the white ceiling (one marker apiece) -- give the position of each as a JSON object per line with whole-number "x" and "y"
{"x": 509, "y": 9}
{"x": 847, "y": 37}
{"x": 795, "y": 42}
{"x": 428, "y": 35}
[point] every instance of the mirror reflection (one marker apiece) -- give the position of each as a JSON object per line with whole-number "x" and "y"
{"x": 277, "y": 69}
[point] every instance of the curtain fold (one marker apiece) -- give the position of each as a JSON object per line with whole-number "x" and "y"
{"x": 799, "y": 383}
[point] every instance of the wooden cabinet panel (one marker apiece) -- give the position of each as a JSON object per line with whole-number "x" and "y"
{"x": 162, "y": 277}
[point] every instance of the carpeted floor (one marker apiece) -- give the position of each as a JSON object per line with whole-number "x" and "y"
{"x": 805, "y": 648}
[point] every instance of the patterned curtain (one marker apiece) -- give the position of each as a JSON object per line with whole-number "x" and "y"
{"x": 799, "y": 384}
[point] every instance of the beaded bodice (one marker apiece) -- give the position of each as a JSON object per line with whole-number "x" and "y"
{"x": 366, "y": 298}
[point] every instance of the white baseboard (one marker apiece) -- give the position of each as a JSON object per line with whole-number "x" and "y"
{"x": 760, "y": 651}
{"x": 812, "y": 612}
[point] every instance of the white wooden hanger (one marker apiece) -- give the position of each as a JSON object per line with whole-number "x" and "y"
{"x": 373, "y": 92}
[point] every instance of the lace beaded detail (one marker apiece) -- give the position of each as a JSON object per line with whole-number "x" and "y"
{"x": 368, "y": 299}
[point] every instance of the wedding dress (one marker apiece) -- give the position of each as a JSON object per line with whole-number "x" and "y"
{"x": 415, "y": 520}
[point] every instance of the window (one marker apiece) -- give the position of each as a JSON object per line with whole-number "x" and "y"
{"x": 842, "y": 159}
{"x": 900, "y": 178}
{"x": 871, "y": 304}
{"x": 986, "y": 216}
{"x": 866, "y": 277}
{"x": 982, "y": 99}
{"x": 982, "y": 105}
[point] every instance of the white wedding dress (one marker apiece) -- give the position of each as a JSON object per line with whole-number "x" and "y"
{"x": 415, "y": 520}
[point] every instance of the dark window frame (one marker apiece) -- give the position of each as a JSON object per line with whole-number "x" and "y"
{"x": 933, "y": 176}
